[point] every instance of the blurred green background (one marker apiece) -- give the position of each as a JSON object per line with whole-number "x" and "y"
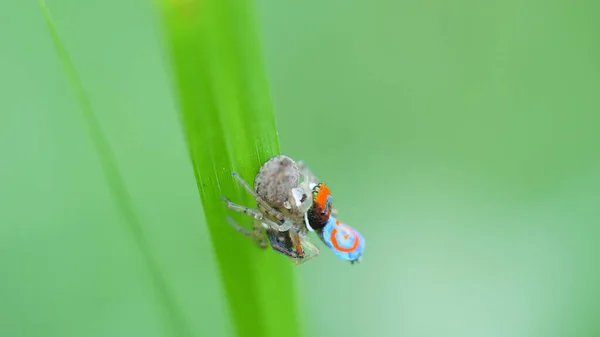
{"x": 461, "y": 138}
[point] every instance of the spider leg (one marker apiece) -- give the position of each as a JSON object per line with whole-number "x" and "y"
{"x": 306, "y": 172}
{"x": 254, "y": 213}
{"x": 280, "y": 247}
{"x": 256, "y": 235}
{"x": 257, "y": 215}
{"x": 310, "y": 250}
{"x": 270, "y": 210}
{"x": 309, "y": 253}
{"x": 296, "y": 242}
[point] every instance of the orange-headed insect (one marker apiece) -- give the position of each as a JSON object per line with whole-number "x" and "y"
{"x": 345, "y": 241}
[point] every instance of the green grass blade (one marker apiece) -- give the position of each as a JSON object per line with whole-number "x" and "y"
{"x": 175, "y": 323}
{"x": 229, "y": 124}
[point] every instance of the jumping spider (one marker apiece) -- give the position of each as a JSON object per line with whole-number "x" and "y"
{"x": 288, "y": 209}
{"x": 282, "y": 202}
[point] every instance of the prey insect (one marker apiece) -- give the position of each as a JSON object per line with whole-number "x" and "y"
{"x": 344, "y": 241}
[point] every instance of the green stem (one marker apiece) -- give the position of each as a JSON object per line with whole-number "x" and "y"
{"x": 176, "y": 324}
{"x": 226, "y": 113}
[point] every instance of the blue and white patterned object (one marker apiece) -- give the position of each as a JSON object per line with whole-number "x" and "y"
{"x": 345, "y": 242}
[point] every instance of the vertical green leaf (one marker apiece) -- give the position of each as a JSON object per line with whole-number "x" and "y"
{"x": 229, "y": 124}
{"x": 175, "y": 322}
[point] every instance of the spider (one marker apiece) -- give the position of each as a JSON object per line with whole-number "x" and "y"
{"x": 282, "y": 202}
{"x": 288, "y": 210}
